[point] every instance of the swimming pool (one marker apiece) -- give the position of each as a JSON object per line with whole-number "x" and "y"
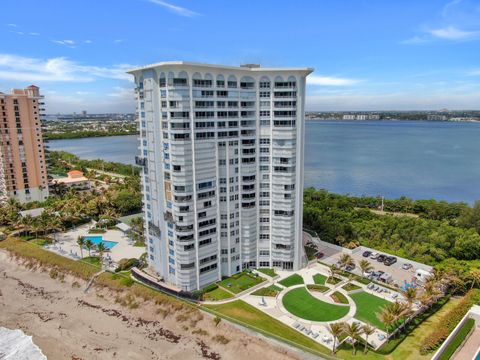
{"x": 97, "y": 239}
{"x": 478, "y": 355}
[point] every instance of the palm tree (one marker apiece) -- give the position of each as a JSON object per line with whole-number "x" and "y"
{"x": 101, "y": 250}
{"x": 387, "y": 318}
{"x": 353, "y": 331}
{"x": 333, "y": 270}
{"x": 410, "y": 294}
{"x": 367, "y": 330}
{"x": 89, "y": 245}
{"x": 81, "y": 244}
{"x": 345, "y": 260}
{"x": 365, "y": 266}
{"x": 474, "y": 278}
{"x": 336, "y": 329}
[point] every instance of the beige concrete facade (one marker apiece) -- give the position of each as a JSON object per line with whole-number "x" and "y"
{"x": 22, "y": 151}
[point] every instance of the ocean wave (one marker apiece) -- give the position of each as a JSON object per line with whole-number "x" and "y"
{"x": 14, "y": 344}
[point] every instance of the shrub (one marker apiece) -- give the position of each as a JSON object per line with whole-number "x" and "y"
{"x": 221, "y": 339}
{"x": 217, "y": 320}
{"x": 319, "y": 288}
{"x": 126, "y": 264}
{"x": 338, "y": 297}
{"x": 449, "y": 321}
{"x": 210, "y": 287}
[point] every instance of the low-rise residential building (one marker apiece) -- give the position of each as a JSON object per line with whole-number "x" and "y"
{"x": 74, "y": 180}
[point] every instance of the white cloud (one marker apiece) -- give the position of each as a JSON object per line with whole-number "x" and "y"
{"x": 330, "y": 80}
{"x": 117, "y": 41}
{"x": 175, "y": 9}
{"x": 33, "y": 34}
{"x": 69, "y": 43}
{"x": 122, "y": 93}
{"x": 12, "y": 25}
{"x": 19, "y": 68}
{"x": 453, "y": 33}
{"x": 17, "y": 32}
{"x": 88, "y": 41}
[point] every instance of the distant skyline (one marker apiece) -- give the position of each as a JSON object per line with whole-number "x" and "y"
{"x": 367, "y": 54}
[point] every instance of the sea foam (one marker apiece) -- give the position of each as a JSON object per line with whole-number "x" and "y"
{"x": 14, "y": 344}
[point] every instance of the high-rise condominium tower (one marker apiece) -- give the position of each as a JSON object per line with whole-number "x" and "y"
{"x": 222, "y": 153}
{"x": 23, "y": 172}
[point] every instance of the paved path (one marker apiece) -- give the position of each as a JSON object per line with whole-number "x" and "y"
{"x": 470, "y": 348}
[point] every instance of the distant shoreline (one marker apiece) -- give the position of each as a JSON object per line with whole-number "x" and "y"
{"x": 379, "y": 120}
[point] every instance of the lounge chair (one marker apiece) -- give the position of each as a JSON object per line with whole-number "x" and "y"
{"x": 381, "y": 337}
{"x": 315, "y": 335}
{"x": 296, "y": 325}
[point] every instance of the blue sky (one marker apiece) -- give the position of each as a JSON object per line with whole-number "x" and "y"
{"x": 367, "y": 54}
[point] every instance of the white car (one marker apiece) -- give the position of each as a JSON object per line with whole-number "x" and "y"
{"x": 374, "y": 255}
{"x": 406, "y": 266}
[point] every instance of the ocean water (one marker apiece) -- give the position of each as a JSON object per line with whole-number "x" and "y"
{"x": 14, "y": 344}
{"x": 418, "y": 159}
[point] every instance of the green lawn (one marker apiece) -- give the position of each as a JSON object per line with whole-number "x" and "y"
{"x": 292, "y": 280}
{"x": 299, "y": 302}
{"x": 217, "y": 294}
{"x": 240, "y": 282}
{"x": 249, "y": 316}
{"x": 271, "y": 290}
{"x": 338, "y": 297}
{"x": 267, "y": 271}
{"x": 39, "y": 242}
{"x": 93, "y": 260}
{"x": 368, "y": 306}
{"x": 319, "y": 279}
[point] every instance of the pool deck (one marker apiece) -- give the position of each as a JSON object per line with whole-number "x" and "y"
{"x": 66, "y": 244}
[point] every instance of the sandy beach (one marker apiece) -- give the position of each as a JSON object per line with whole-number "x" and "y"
{"x": 66, "y": 323}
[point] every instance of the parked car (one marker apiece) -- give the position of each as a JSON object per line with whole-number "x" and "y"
{"x": 350, "y": 267}
{"x": 390, "y": 260}
{"x": 407, "y": 266}
{"x": 381, "y": 258}
{"x": 375, "y": 274}
{"x": 367, "y": 253}
{"x": 374, "y": 255}
{"x": 319, "y": 255}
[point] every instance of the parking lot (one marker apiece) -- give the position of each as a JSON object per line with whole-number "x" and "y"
{"x": 332, "y": 253}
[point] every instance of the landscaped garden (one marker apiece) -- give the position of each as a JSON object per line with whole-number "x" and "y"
{"x": 240, "y": 282}
{"x": 368, "y": 306}
{"x": 350, "y": 287}
{"x": 301, "y": 303}
{"x": 267, "y": 271}
{"x": 217, "y": 294}
{"x": 271, "y": 291}
{"x": 319, "y": 279}
{"x": 333, "y": 280}
{"x": 319, "y": 288}
{"x": 338, "y": 297}
{"x": 292, "y": 280}
{"x": 247, "y": 315}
